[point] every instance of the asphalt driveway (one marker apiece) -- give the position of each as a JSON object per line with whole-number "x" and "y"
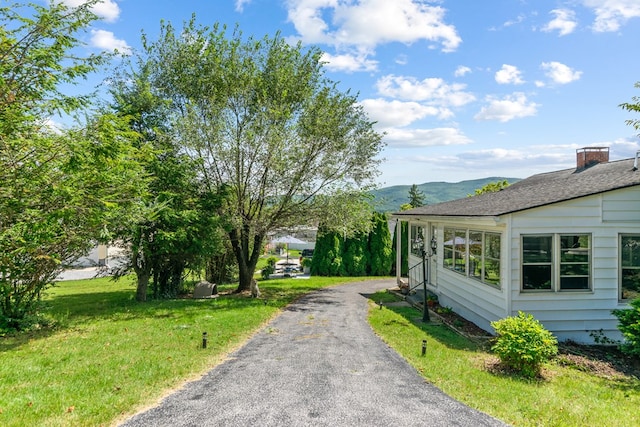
{"x": 317, "y": 364}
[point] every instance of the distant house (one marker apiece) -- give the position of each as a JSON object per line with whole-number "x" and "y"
{"x": 563, "y": 246}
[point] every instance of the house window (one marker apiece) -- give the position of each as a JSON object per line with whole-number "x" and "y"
{"x": 536, "y": 262}
{"x": 417, "y": 240}
{"x": 629, "y": 266}
{"x": 475, "y": 254}
{"x": 556, "y": 262}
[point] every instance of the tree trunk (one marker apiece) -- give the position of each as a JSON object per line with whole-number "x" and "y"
{"x": 247, "y": 256}
{"x": 143, "y": 284}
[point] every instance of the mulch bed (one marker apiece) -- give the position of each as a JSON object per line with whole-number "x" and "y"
{"x": 603, "y": 361}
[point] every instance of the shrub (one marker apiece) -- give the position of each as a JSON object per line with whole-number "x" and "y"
{"x": 270, "y": 268}
{"x": 630, "y": 327}
{"x": 523, "y": 344}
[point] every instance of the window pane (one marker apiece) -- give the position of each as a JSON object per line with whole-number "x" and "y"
{"x": 536, "y": 249}
{"x": 574, "y": 248}
{"x": 447, "y": 261}
{"x": 630, "y": 248}
{"x": 574, "y": 270}
{"x": 536, "y": 277}
{"x": 417, "y": 240}
{"x": 574, "y": 282}
{"x": 460, "y": 251}
{"x": 475, "y": 254}
{"x": 630, "y": 283}
{"x": 492, "y": 272}
{"x": 630, "y": 262}
{"x": 492, "y": 245}
{"x": 491, "y": 258}
{"x": 448, "y": 258}
{"x": 575, "y": 267}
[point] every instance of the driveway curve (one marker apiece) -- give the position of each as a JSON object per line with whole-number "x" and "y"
{"x": 318, "y": 363}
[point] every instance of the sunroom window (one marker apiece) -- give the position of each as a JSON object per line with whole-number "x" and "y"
{"x": 629, "y": 266}
{"x": 475, "y": 254}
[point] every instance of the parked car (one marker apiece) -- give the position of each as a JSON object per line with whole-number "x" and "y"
{"x": 306, "y": 253}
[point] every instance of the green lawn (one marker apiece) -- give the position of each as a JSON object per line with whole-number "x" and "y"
{"x": 462, "y": 369}
{"x": 109, "y": 355}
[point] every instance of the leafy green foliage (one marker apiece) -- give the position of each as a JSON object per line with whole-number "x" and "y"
{"x": 523, "y": 344}
{"x": 263, "y": 121}
{"x": 183, "y": 232}
{"x": 269, "y": 269}
{"x": 491, "y": 187}
{"x": 633, "y": 106}
{"x": 629, "y": 325}
{"x": 61, "y": 189}
{"x": 327, "y": 255}
{"x": 380, "y": 246}
{"x": 361, "y": 254}
{"x": 355, "y": 256}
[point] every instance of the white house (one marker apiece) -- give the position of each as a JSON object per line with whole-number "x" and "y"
{"x": 563, "y": 246}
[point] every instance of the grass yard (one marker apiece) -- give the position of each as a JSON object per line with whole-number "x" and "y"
{"x": 566, "y": 396}
{"x": 109, "y": 356}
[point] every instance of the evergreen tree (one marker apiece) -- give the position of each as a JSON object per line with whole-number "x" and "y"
{"x": 354, "y": 260}
{"x": 327, "y": 256}
{"x": 416, "y": 197}
{"x": 380, "y": 246}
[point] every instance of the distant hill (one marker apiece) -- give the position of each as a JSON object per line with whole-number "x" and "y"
{"x": 389, "y": 199}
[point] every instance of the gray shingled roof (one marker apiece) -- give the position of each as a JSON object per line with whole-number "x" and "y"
{"x": 538, "y": 190}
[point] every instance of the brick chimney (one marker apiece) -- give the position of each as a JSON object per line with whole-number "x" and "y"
{"x": 589, "y": 156}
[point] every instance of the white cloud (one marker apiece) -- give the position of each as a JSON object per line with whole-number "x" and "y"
{"x": 509, "y": 74}
{"x": 560, "y": 73}
{"x": 461, "y": 71}
{"x": 240, "y": 4}
{"x": 108, "y": 10}
{"x": 611, "y": 14}
{"x": 348, "y": 63}
{"x": 402, "y": 59}
{"x": 564, "y": 21}
{"x": 389, "y": 114}
{"x": 425, "y": 137}
{"x": 433, "y": 90}
{"x": 510, "y": 107}
{"x": 106, "y": 40}
{"x": 364, "y": 24}
{"x": 519, "y": 19}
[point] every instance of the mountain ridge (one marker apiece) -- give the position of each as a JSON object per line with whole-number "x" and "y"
{"x": 389, "y": 199}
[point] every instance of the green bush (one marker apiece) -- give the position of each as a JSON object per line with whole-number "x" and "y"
{"x": 523, "y": 344}
{"x": 630, "y": 327}
{"x": 270, "y": 268}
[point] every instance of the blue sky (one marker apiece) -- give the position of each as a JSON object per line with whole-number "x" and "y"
{"x": 462, "y": 89}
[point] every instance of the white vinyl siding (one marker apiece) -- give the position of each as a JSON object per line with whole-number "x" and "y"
{"x": 574, "y": 313}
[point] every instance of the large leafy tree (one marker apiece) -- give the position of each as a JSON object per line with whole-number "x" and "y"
{"x": 180, "y": 230}
{"x": 58, "y": 188}
{"x": 265, "y": 123}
